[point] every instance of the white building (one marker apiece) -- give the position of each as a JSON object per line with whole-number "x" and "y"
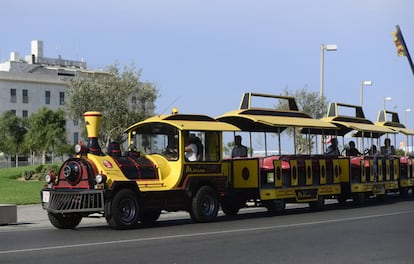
{"x": 28, "y": 84}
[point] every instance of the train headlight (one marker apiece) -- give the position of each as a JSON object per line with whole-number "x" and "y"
{"x": 50, "y": 178}
{"x": 80, "y": 149}
{"x": 100, "y": 178}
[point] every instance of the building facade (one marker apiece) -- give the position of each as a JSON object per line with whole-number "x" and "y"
{"x": 28, "y": 84}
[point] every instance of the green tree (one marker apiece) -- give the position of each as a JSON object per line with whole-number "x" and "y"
{"x": 120, "y": 96}
{"x": 12, "y": 133}
{"x": 47, "y": 131}
{"x": 310, "y": 103}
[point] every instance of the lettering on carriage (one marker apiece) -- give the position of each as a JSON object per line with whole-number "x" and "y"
{"x": 198, "y": 168}
{"x": 306, "y": 194}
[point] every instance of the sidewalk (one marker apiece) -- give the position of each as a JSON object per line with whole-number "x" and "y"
{"x": 33, "y": 216}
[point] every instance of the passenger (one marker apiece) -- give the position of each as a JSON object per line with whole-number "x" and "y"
{"x": 352, "y": 151}
{"x": 238, "y": 150}
{"x": 387, "y": 149}
{"x": 190, "y": 148}
{"x": 375, "y": 153}
{"x": 332, "y": 149}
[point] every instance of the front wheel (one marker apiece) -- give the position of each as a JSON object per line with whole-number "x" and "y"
{"x": 122, "y": 212}
{"x": 64, "y": 221}
{"x": 204, "y": 205}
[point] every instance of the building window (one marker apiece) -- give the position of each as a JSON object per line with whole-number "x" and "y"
{"x": 13, "y": 97}
{"x": 47, "y": 97}
{"x": 13, "y": 112}
{"x": 25, "y": 113}
{"x": 25, "y": 96}
{"x": 76, "y": 137}
{"x": 75, "y": 122}
{"x": 62, "y": 98}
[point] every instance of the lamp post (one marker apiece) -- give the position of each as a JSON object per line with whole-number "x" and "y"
{"x": 386, "y": 99}
{"x": 405, "y": 116}
{"x": 363, "y": 83}
{"x": 329, "y": 47}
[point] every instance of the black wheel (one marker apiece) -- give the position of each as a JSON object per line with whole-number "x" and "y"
{"x": 317, "y": 205}
{"x": 149, "y": 217}
{"x": 122, "y": 212}
{"x": 358, "y": 198}
{"x": 404, "y": 192}
{"x": 64, "y": 221}
{"x": 342, "y": 199}
{"x": 275, "y": 207}
{"x": 230, "y": 206}
{"x": 204, "y": 205}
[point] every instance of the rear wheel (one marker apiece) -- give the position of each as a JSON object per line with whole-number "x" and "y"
{"x": 204, "y": 205}
{"x": 64, "y": 221}
{"x": 404, "y": 192}
{"x": 275, "y": 207}
{"x": 230, "y": 207}
{"x": 122, "y": 212}
{"x": 358, "y": 198}
{"x": 317, "y": 205}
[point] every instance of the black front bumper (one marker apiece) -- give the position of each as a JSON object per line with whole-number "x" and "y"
{"x": 73, "y": 201}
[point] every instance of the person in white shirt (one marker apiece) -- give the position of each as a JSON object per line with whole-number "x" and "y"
{"x": 190, "y": 148}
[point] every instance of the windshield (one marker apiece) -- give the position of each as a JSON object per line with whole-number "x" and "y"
{"x": 156, "y": 139}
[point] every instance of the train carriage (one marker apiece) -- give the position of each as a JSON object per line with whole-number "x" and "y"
{"x": 390, "y": 119}
{"x": 274, "y": 180}
{"x": 368, "y": 174}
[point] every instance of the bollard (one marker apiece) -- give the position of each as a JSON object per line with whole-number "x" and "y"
{"x": 8, "y": 214}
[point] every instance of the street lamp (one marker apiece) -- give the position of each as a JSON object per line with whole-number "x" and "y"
{"x": 405, "y": 116}
{"x": 329, "y": 47}
{"x": 363, "y": 83}
{"x": 387, "y": 99}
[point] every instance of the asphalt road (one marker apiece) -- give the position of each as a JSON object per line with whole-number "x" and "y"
{"x": 376, "y": 233}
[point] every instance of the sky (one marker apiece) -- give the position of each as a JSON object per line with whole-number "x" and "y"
{"x": 203, "y": 55}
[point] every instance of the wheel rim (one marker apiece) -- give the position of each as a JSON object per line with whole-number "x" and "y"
{"x": 208, "y": 205}
{"x": 127, "y": 210}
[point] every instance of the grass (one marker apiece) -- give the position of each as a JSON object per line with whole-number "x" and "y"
{"x": 16, "y": 190}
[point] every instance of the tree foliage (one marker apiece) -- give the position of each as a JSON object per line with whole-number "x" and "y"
{"x": 46, "y": 131}
{"x": 310, "y": 103}
{"x": 119, "y": 95}
{"x": 12, "y": 133}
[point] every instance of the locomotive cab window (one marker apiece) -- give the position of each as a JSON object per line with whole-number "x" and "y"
{"x": 156, "y": 139}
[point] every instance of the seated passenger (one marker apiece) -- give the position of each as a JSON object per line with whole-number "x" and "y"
{"x": 190, "y": 148}
{"x": 387, "y": 149}
{"x": 375, "y": 153}
{"x": 332, "y": 149}
{"x": 238, "y": 150}
{"x": 352, "y": 151}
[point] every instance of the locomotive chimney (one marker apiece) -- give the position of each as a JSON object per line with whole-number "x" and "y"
{"x": 93, "y": 122}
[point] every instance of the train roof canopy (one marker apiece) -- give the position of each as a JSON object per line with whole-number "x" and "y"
{"x": 187, "y": 122}
{"x": 390, "y": 120}
{"x": 262, "y": 119}
{"x": 351, "y": 117}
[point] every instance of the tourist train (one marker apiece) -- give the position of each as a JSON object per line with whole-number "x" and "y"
{"x": 157, "y": 175}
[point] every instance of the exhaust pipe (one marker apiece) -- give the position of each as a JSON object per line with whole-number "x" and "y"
{"x": 93, "y": 122}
